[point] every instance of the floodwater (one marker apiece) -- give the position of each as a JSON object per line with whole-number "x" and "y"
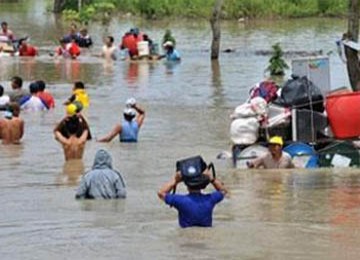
{"x": 296, "y": 214}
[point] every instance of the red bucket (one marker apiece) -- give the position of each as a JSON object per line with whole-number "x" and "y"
{"x": 343, "y": 111}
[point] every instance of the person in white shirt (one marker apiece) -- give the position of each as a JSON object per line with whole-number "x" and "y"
{"x": 109, "y": 50}
{"x": 33, "y": 102}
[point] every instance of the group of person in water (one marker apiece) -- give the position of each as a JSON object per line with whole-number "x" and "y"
{"x": 9, "y": 44}
{"x": 73, "y": 131}
{"x": 72, "y": 44}
{"x": 102, "y": 181}
{"x": 74, "y": 124}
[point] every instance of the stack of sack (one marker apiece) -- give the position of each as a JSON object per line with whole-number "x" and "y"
{"x": 268, "y": 110}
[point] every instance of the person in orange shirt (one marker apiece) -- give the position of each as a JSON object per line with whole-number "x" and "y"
{"x": 45, "y": 96}
{"x": 26, "y": 49}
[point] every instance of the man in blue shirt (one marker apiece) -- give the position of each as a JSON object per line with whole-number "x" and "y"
{"x": 195, "y": 208}
{"x": 171, "y": 53}
{"x": 129, "y": 127}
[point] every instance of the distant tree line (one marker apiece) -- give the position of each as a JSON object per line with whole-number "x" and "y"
{"x": 231, "y": 9}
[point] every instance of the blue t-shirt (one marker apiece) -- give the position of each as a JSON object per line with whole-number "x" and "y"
{"x": 195, "y": 209}
{"x": 173, "y": 56}
{"x": 129, "y": 131}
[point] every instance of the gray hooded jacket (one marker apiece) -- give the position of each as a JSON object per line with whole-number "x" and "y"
{"x": 102, "y": 181}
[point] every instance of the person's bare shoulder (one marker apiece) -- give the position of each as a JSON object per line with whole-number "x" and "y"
{"x": 17, "y": 119}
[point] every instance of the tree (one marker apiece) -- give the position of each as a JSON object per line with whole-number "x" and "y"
{"x": 59, "y": 6}
{"x": 277, "y": 64}
{"x": 215, "y": 27}
{"x": 352, "y": 58}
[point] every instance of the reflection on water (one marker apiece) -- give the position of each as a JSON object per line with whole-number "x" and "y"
{"x": 11, "y": 156}
{"x": 297, "y": 214}
{"x": 137, "y": 72}
{"x": 218, "y": 94}
{"x": 72, "y": 171}
{"x": 109, "y": 206}
{"x": 108, "y": 66}
{"x": 171, "y": 66}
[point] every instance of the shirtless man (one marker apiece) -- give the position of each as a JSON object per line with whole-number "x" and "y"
{"x": 73, "y": 146}
{"x": 6, "y": 35}
{"x": 12, "y": 126}
{"x": 109, "y": 49}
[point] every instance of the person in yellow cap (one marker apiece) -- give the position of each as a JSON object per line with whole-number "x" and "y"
{"x": 276, "y": 158}
{"x": 79, "y": 96}
{"x": 71, "y": 109}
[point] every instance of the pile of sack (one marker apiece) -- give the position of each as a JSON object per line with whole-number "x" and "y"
{"x": 268, "y": 109}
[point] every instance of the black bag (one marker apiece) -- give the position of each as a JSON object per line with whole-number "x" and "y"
{"x": 301, "y": 93}
{"x": 192, "y": 169}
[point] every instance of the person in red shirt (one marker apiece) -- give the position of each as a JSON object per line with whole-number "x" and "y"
{"x": 62, "y": 50}
{"x": 70, "y": 50}
{"x": 73, "y": 48}
{"x": 26, "y": 49}
{"x": 129, "y": 42}
{"x": 45, "y": 96}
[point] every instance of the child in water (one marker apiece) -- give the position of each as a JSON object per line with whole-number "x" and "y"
{"x": 79, "y": 96}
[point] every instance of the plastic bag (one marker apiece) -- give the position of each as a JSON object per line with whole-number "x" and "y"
{"x": 244, "y": 130}
{"x": 301, "y": 93}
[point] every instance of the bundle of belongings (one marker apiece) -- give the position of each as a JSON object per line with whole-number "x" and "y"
{"x": 270, "y": 110}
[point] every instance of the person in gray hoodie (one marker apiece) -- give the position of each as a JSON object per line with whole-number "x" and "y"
{"x": 101, "y": 182}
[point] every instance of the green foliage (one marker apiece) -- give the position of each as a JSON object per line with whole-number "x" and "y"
{"x": 252, "y": 8}
{"x": 96, "y": 10}
{"x": 168, "y": 37}
{"x": 232, "y": 9}
{"x": 277, "y": 65}
{"x": 71, "y": 15}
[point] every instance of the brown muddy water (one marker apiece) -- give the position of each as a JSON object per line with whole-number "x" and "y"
{"x": 296, "y": 214}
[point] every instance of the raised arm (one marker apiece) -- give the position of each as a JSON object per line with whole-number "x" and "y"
{"x": 111, "y": 135}
{"x": 218, "y": 185}
{"x": 169, "y": 186}
{"x": 60, "y": 138}
{"x": 141, "y": 114}
{"x": 71, "y": 99}
{"x": 58, "y": 125}
{"x": 84, "y": 136}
